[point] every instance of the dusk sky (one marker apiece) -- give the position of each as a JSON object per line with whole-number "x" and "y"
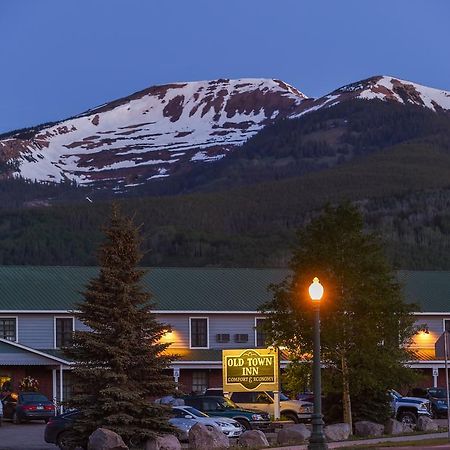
{"x": 61, "y": 57}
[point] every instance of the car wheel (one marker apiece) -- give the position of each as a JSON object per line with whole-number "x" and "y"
{"x": 291, "y": 416}
{"x": 407, "y": 418}
{"x": 62, "y": 441}
{"x": 245, "y": 424}
{"x": 16, "y": 419}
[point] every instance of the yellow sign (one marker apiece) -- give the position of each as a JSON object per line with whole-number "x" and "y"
{"x": 250, "y": 370}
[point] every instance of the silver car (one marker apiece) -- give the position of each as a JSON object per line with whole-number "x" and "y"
{"x": 228, "y": 426}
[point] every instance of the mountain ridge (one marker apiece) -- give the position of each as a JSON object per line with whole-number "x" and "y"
{"x": 168, "y": 130}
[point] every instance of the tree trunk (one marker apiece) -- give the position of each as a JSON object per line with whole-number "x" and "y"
{"x": 346, "y": 402}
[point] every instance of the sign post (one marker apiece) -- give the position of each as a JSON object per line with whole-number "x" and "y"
{"x": 446, "y": 346}
{"x": 252, "y": 370}
{"x": 442, "y": 347}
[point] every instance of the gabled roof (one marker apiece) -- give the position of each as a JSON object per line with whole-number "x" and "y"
{"x": 13, "y": 353}
{"x": 56, "y": 288}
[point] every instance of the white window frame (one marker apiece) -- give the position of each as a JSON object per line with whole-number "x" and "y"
{"x": 17, "y": 325}
{"x": 255, "y": 329}
{"x": 54, "y": 327}
{"x": 190, "y": 331}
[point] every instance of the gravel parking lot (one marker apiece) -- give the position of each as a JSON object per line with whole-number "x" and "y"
{"x": 27, "y": 436}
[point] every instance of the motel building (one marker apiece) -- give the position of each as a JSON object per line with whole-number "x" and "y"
{"x": 209, "y": 309}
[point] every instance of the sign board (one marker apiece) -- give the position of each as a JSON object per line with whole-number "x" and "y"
{"x": 250, "y": 370}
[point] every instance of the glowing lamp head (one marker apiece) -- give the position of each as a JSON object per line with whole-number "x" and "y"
{"x": 315, "y": 290}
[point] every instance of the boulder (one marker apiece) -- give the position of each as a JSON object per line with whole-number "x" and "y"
{"x": 337, "y": 432}
{"x": 394, "y": 427}
{"x": 253, "y": 439}
{"x": 293, "y": 434}
{"x": 166, "y": 442}
{"x": 426, "y": 424}
{"x": 207, "y": 438}
{"x": 367, "y": 428}
{"x": 104, "y": 439}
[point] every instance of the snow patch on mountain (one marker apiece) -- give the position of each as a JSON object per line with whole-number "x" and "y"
{"x": 160, "y": 128}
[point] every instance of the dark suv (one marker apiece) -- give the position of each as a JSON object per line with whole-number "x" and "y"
{"x": 437, "y": 398}
{"x": 27, "y": 406}
{"x": 250, "y": 419}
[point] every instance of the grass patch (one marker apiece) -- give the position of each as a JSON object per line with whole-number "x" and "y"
{"x": 418, "y": 444}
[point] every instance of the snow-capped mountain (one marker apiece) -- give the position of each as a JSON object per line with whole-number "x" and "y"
{"x": 384, "y": 88}
{"x": 166, "y": 130}
{"x": 153, "y": 133}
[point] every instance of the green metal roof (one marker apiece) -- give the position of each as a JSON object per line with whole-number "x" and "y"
{"x": 430, "y": 289}
{"x": 174, "y": 289}
{"x": 57, "y": 288}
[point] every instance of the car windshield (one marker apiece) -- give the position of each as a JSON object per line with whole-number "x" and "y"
{"x": 438, "y": 393}
{"x": 227, "y": 403}
{"x": 283, "y": 397}
{"x": 33, "y": 398}
{"x": 194, "y": 412}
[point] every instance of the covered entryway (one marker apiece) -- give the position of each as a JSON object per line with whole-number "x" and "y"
{"x": 18, "y": 361}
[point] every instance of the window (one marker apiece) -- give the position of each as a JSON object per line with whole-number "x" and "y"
{"x": 241, "y": 338}
{"x": 447, "y": 325}
{"x": 260, "y": 336}
{"x": 8, "y": 328}
{"x": 199, "y": 381}
{"x": 63, "y": 331}
{"x": 243, "y": 397}
{"x": 199, "y": 332}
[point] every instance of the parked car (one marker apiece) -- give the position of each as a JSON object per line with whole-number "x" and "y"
{"x": 250, "y": 419}
{"x": 185, "y": 417}
{"x": 408, "y": 409}
{"x": 230, "y": 427}
{"x": 57, "y": 429}
{"x": 437, "y": 398}
{"x": 27, "y": 406}
{"x": 295, "y": 410}
{"x": 1, "y": 413}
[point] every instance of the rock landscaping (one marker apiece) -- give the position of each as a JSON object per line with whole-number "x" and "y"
{"x": 294, "y": 434}
{"x": 253, "y": 439}
{"x": 366, "y": 428}
{"x": 337, "y": 432}
{"x": 203, "y": 438}
{"x": 104, "y": 439}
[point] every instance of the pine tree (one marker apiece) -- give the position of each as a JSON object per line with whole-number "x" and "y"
{"x": 119, "y": 365}
{"x": 365, "y": 324}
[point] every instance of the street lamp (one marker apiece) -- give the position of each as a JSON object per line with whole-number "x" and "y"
{"x": 317, "y": 440}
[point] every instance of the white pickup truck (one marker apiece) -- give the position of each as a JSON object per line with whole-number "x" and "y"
{"x": 295, "y": 410}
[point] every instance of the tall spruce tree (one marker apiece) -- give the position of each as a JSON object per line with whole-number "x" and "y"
{"x": 119, "y": 364}
{"x": 366, "y": 326}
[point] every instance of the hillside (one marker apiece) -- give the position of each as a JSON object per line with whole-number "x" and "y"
{"x": 404, "y": 198}
{"x": 382, "y": 142}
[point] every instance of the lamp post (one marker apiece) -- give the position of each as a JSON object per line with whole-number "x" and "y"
{"x": 317, "y": 440}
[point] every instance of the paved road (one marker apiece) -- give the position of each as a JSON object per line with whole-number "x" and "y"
{"x": 27, "y": 436}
